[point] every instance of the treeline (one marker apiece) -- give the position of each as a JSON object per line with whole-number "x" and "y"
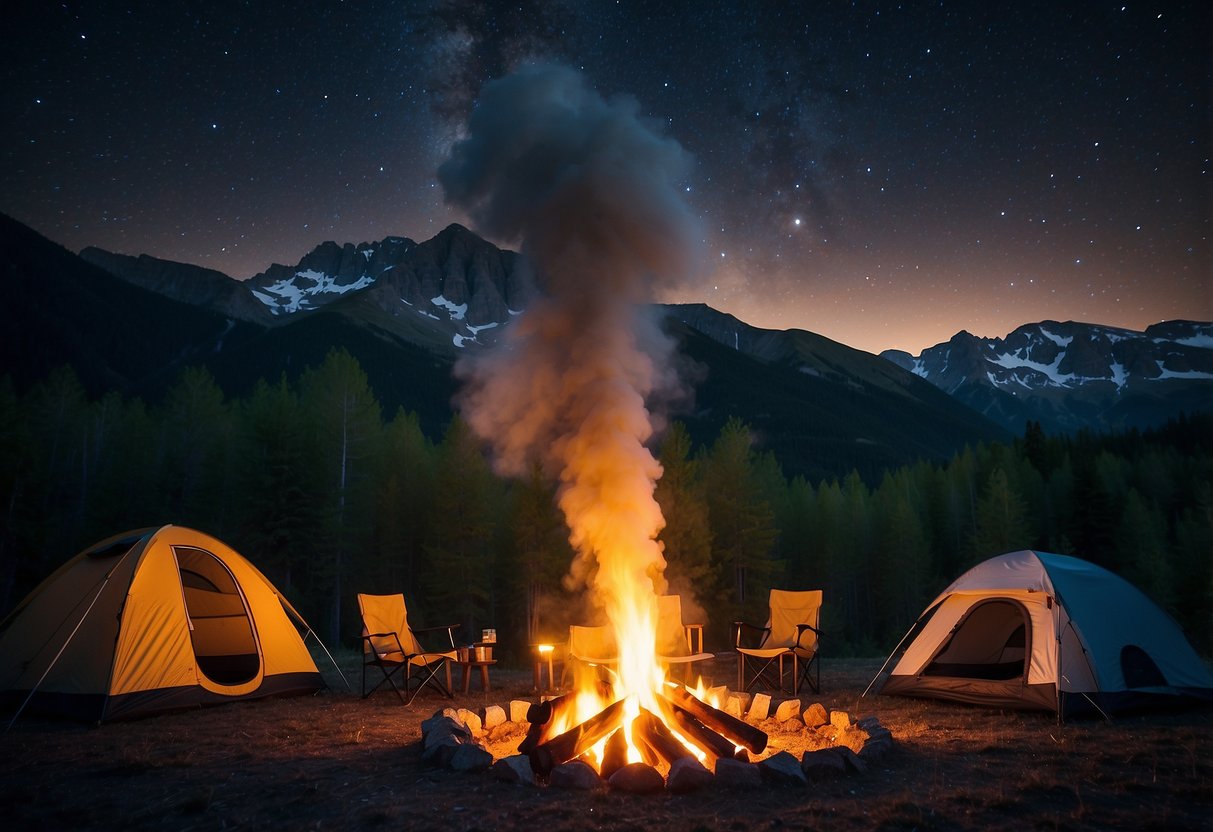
{"x": 329, "y": 498}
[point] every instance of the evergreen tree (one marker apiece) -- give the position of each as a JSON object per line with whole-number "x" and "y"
{"x": 541, "y": 555}
{"x": 404, "y": 503}
{"x": 343, "y": 422}
{"x": 56, "y": 426}
{"x": 196, "y": 439}
{"x": 1001, "y": 519}
{"x": 1141, "y": 542}
{"x": 278, "y": 512}
{"x": 687, "y": 536}
{"x": 903, "y": 559}
{"x": 743, "y": 528}
{"x": 459, "y": 552}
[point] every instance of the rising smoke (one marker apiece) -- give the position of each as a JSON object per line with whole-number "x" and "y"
{"x": 591, "y": 191}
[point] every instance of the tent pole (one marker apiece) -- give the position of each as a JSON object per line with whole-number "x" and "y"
{"x": 294, "y": 613}
{"x": 311, "y": 632}
{"x": 63, "y": 647}
{"x": 890, "y": 658}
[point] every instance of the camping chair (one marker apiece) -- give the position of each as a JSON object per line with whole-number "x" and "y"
{"x": 791, "y": 633}
{"x": 590, "y": 646}
{"x": 675, "y": 645}
{"x": 389, "y": 644}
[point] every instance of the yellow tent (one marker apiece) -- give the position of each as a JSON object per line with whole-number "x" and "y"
{"x": 152, "y": 620}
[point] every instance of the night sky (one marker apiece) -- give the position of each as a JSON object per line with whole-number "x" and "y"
{"x": 883, "y": 174}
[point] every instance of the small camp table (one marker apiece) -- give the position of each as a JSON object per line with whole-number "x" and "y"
{"x": 476, "y": 655}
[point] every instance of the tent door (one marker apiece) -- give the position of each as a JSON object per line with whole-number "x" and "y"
{"x": 991, "y": 642}
{"x": 221, "y": 628}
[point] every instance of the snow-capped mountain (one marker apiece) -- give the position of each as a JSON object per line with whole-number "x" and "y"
{"x": 456, "y": 285}
{"x": 457, "y": 290}
{"x": 1074, "y": 375}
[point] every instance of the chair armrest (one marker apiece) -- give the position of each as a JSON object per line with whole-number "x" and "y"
{"x": 741, "y": 626}
{"x": 369, "y": 641}
{"x": 801, "y": 629}
{"x": 449, "y": 628}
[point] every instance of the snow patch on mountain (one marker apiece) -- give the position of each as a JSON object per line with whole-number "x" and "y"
{"x": 1203, "y": 340}
{"x": 1059, "y": 340}
{"x": 296, "y": 293}
{"x": 1049, "y": 371}
{"x": 1163, "y": 372}
{"x": 457, "y": 311}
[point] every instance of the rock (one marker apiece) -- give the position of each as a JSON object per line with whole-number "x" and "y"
{"x": 687, "y": 775}
{"x": 788, "y": 709}
{"x": 514, "y": 769}
{"x": 734, "y": 774}
{"x": 637, "y": 778}
{"x": 760, "y": 708}
{"x": 504, "y": 731}
{"x": 781, "y": 768}
{"x": 736, "y": 704}
{"x": 792, "y": 726}
{"x": 879, "y": 743}
{"x": 854, "y": 764}
{"x": 852, "y": 738}
{"x": 815, "y": 715}
{"x": 718, "y": 694}
{"x": 874, "y": 750}
{"x": 869, "y": 723}
{"x": 440, "y": 753}
{"x": 819, "y": 765}
{"x": 472, "y": 720}
{"x": 470, "y": 758}
{"x": 879, "y": 734}
{"x": 492, "y": 716}
{"x": 518, "y": 709}
{"x": 440, "y": 718}
{"x": 444, "y": 729}
{"x": 574, "y": 775}
{"x": 840, "y": 720}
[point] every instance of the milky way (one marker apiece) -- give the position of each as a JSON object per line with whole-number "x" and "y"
{"x": 883, "y": 174}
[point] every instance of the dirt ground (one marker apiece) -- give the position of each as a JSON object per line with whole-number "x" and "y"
{"x": 336, "y": 761}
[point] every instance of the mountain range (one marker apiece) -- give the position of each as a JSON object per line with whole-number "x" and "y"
{"x": 407, "y": 311}
{"x": 1069, "y": 376}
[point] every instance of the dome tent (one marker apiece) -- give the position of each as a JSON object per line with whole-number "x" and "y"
{"x": 1037, "y": 630}
{"x": 152, "y": 620}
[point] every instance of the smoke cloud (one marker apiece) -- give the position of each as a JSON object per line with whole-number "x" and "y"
{"x": 591, "y": 191}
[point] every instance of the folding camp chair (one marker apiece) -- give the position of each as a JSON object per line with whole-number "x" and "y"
{"x": 678, "y": 644}
{"x": 590, "y": 647}
{"x": 389, "y": 644}
{"x": 790, "y": 634}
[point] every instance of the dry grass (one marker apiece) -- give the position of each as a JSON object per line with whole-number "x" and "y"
{"x": 337, "y": 761}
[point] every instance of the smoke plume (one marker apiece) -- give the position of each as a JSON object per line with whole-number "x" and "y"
{"x": 591, "y": 191}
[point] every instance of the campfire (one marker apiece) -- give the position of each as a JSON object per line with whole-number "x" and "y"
{"x": 658, "y": 730}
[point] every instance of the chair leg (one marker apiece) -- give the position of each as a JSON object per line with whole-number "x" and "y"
{"x": 387, "y": 677}
{"x": 742, "y": 685}
{"x": 812, "y": 674}
{"x": 431, "y": 676}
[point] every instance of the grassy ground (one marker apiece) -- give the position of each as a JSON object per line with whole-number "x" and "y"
{"x": 337, "y": 761}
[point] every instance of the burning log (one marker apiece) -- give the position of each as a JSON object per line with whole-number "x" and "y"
{"x": 653, "y": 732}
{"x": 739, "y": 732}
{"x": 543, "y": 721}
{"x": 707, "y": 740}
{"x": 576, "y": 741}
{"x": 614, "y": 754}
{"x": 541, "y": 713}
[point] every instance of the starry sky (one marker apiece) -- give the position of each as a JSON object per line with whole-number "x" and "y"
{"x": 884, "y": 174}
